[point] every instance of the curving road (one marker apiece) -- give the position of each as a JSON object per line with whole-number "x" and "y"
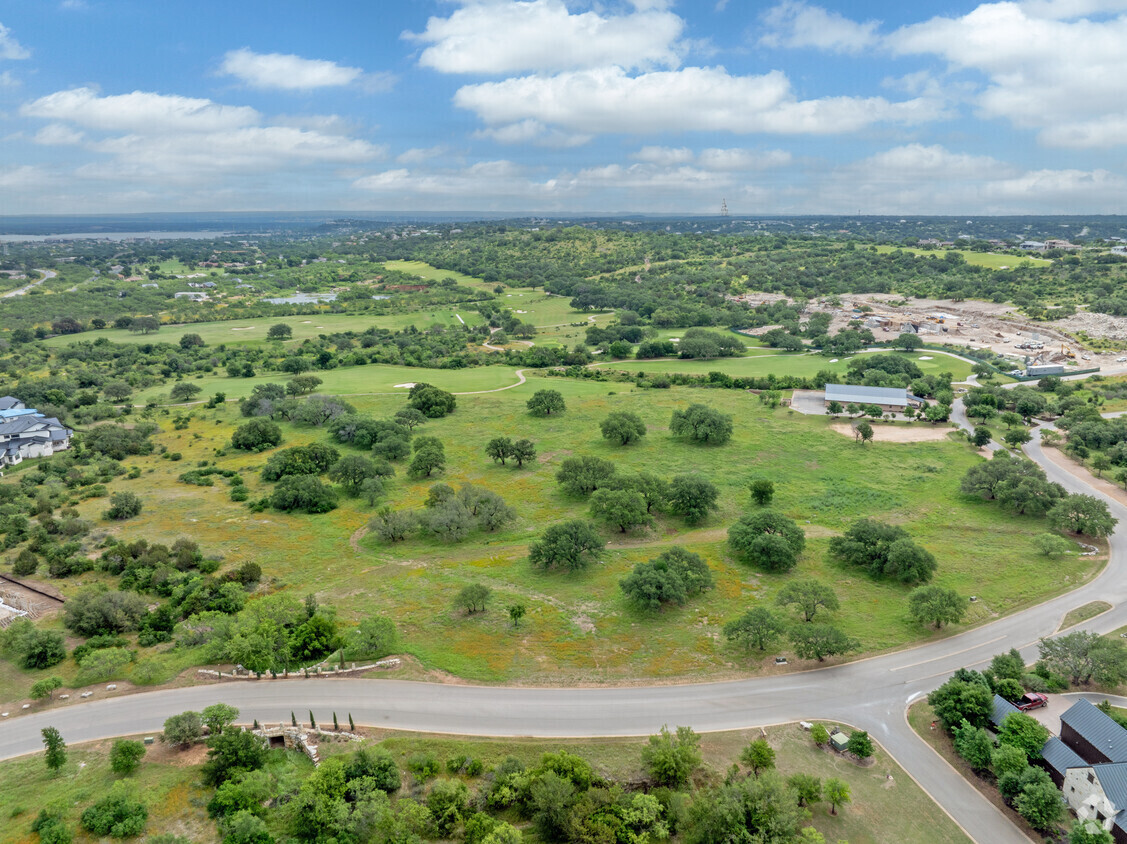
{"x": 871, "y": 694}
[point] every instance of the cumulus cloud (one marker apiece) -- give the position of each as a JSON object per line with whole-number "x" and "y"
{"x": 1045, "y": 71}
{"x": 545, "y": 36}
{"x": 143, "y": 136}
{"x": 690, "y": 99}
{"x": 713, "y": 159}
{"x": 10, "y": 48}
{"x": 794, "y": 23}
{"x": 286, "y": 72}
{"x": 139, "y": 111}
{"x": 56, "y": 134}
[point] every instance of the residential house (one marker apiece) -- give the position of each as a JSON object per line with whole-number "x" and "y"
{"x": 27, "y": 433}
{"x": 1094, "y": 778}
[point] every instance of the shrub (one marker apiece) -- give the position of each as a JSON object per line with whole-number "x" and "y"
{"x": 767, "y": 539}
{"x": 431, "y": 401}
{"x": 569, "y": 546}
{"x": 424, "y": 766}
{"x": 256, "y": 435}
{"x": 123, "y": 505}
{"x": 701, "y": 424}
{"x": 670, "y": 577}
{"x": 304, "y": 493}
{"x": 118, "y": 815}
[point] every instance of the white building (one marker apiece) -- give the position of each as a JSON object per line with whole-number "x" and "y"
{"x": 27, "y": 433}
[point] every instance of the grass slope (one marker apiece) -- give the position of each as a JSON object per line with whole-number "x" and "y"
{"x": 990, "y": 260}
{"x": 579, "y": 628}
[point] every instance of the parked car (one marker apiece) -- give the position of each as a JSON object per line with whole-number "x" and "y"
{"x": 1032, "y": 700}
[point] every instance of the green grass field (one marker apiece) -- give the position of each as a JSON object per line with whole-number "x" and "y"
{"x": 254, "y": 330}
{"x": 375, "y": 378}
{"x": 765, "y": 361}
{"x": 882, "y": 811}
{"x": 579, "y": 628}
{"x": 990, "y": 260}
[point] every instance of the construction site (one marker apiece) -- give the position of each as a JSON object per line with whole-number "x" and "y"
{"x": 22, "y": 600}
{"x": 986, "y": 325}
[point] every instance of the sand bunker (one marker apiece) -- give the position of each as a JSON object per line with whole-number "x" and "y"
{"x": 925, "y": 357}
{"x": 901, "y": 433}
{"x": 406, "y": 386}
{"x": 244, "y": 328}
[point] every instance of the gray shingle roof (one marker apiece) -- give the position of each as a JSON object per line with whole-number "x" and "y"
{"x": 1098, "y": 729}
{"x": 8, "y": 402}
{"x": 846, "y": 393}
{"x": 1060, "y": 757}
{"x": 1002, "y": 708}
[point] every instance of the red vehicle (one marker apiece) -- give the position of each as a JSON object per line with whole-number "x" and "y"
{"x": 1032, "y": 700}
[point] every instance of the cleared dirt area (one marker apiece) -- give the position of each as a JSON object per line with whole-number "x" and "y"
{"x": 897, "y": 433}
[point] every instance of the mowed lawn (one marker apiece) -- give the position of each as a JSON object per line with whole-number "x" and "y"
{"x": 304, "y": 327}
{"x": 990, "y": 260}
{"x": 760, "y": 362}
{"x": 374, "y": 378}
{"x": 579, "y": 628}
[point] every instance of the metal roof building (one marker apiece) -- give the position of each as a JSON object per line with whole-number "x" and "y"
{"x": 1002, "y": 709}
{"x": 887, "y": 398}
{"x": 1058, "y": 757}
{"x": 1092, "y": 734}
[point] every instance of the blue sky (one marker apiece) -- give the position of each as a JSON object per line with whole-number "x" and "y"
{"x": 563, "y": 106}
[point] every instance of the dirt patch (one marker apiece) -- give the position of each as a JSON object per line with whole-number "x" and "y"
{"x": 898, "y": 433}
{"x": 357, "y": 535}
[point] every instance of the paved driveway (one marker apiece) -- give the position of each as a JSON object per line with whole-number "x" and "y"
{"x": 810, "y": 402}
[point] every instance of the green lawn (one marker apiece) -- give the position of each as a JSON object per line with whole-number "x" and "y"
{"x": 765, "y": 361}
{"x": 374, "y": 378}
{"x": 254, "y": 330}
{"x": 579, "y": 628}
{"x": 429, "y": 273}
{"x": 991, "y": 260}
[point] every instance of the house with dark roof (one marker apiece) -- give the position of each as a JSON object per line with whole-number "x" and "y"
{"x": 1099, "y": 793}
{"x": 28, "y": 433}
{"x": 1092, "y": 734}
{"x": 1002, "y": 710}
{"x": 1056, "y": 758}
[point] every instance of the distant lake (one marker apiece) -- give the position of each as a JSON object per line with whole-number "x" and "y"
{"x": 307, "y": 299}
{"x": 39, "y": 238}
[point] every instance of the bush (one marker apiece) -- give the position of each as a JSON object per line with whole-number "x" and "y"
{"x": 123, "y": 505}
{"x": 669, "y": 578}
{"x": 304, "y": 493}
{"x": 584, "y": 475}
{"x": 125, "y": 756}
{"x": 376, "y": 764}
{"x": 431, "y": 401}
{"x": 117, "y": 815}
{"x": 300, "y": 460}
{"x": 424, "y": 766}
{"x": 569, "y": 546}
{"x": 670, "y": 759}
{"x": 884, "y": 551}
{"x": 256, "y": 435}
{"x": 545, "y": 403}
{"x": 623, "y": 428}
{"x": 767, "y": 539}
{"x": 701, "y": 424}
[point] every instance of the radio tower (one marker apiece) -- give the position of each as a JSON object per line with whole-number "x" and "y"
{"x": 723, "y": 207}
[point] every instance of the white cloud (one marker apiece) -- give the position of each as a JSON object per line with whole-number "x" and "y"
{"x": 1065, "y": 78}
{"x": 482, "y": 183}
{"x": 139, "y": 111}
{"x": 545, "y": 36}
{"x": 691, "y": 99}
{"x": 7, "y": 80}
{"x": 794, "y": 23}
{"x": 10, "y": 48}
{"x": 664, "y": 156}
{"x": 419, "y": 155}
{"x": 286, "y": 72}
{"x": 735, "y": 160}
{"x": 154, "y": 138}
{"x": 56, "y": 134}
{"x": 713, "y": 159}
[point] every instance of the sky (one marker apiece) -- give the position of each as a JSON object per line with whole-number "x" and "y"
{"x": 564, "y": 106}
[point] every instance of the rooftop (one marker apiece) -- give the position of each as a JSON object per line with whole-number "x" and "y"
{"x": 850, "y": 393}
{"x": 1098, "y": 729}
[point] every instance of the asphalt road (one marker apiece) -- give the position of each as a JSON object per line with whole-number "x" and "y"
{"x": 871, "y": 694}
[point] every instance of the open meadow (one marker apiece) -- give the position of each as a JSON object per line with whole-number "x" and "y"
{"x": 762, "y": 361}
{"x": 579, "y": 627}
{"x": 304, "y": 327}
{"x": 990, "y": 260}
